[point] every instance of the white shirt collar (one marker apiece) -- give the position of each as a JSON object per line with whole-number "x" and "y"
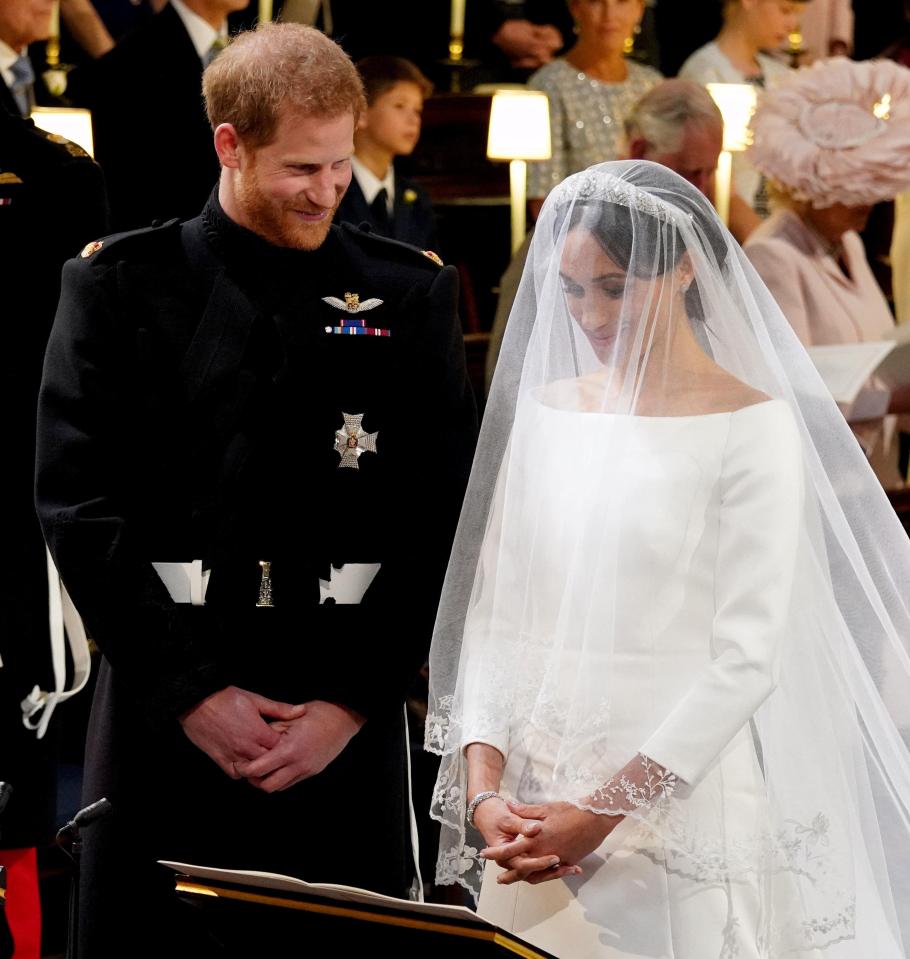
{"x": 370, "y": 184}
{"x": 8, "y": 56}
{"x": 202, "y": 34}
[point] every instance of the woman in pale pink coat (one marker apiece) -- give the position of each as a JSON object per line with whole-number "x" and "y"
{"x": 832, "y": 142}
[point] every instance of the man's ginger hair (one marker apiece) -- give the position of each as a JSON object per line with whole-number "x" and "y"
{"x": 276, "y": 67}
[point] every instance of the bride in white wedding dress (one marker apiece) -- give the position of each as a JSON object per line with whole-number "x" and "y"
{"x": 671, "y": 650}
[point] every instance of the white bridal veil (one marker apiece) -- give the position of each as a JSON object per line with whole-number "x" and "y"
{"x": 672, "y": 547}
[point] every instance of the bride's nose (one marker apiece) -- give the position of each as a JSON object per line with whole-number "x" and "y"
{"x": 591, "y": 316}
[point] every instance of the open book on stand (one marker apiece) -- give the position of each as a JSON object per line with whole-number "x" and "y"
{"x": 257, "y": 910}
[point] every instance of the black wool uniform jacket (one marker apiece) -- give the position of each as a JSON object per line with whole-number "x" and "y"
{"x": 152, "y": 138}
{"x": 51, "y": 202}
{"x": 193, "y": 389}
{"x": 412, "y": 220}
{"x": 7, "y": 100}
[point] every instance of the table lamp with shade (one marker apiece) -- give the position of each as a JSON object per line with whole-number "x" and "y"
{"x": 736, "y": 102}
{"x": 519, "y": 131}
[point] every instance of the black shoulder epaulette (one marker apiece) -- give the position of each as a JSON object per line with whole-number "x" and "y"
{"x": 130, "y": 241}
{"x": 378, "y": 245}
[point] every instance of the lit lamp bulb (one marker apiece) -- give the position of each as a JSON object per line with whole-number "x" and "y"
{"x": 736, "y": 102}
{"x": 519, "y": 131}
{"x": 882, "y": 109}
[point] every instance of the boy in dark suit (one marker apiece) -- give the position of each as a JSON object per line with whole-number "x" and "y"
{"x": 392, "y": 205}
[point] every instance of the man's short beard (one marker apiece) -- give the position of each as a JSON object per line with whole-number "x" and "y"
{"x": 270, "y": 220}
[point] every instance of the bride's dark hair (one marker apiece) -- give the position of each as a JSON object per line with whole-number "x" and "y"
{"x": 621, "y": 232}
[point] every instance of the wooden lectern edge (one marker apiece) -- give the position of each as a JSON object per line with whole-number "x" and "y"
{"x": 493, "y": 934}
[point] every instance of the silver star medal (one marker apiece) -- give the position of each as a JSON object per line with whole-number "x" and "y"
{"x": 352, "y": 440}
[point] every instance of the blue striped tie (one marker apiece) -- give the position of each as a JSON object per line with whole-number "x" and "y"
{"x": 22, "y": 88}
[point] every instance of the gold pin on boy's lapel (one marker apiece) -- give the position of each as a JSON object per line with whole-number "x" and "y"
{"x": 91, "y": 248}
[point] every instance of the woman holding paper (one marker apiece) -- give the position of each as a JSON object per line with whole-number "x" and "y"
{"x": 832, "y": 141}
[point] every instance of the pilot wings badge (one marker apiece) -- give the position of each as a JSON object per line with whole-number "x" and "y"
{"x": 351, "y": 303}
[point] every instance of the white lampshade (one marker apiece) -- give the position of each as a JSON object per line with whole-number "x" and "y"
{"x": 74, "y": 124}
{"x": 736, "y": 102}
{"x": 519, "y": 126}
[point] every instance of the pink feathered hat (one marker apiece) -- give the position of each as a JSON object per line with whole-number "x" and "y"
{"x": 836, "y": 132}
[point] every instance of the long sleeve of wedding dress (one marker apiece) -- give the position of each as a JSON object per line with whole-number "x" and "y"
{"x": 760, "y": 502}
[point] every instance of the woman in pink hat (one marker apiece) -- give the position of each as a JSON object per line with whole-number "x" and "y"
{"x": 832, "y": 142}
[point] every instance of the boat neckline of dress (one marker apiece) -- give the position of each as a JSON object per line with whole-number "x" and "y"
{"x": 640, "y": 416}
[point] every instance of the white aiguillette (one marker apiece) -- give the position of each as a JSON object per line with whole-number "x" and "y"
{"x": 348, "y": 584}
{"x": 186, "y": 582}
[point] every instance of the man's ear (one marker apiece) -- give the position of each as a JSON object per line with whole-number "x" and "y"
{"x": 228, "y": 146}
{"x": 638, "y": 148}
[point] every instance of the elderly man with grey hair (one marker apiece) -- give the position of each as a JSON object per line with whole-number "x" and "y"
{"x": 679, "y": 125}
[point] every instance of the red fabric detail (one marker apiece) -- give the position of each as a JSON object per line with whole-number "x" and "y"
{"x": 23, "y": 905}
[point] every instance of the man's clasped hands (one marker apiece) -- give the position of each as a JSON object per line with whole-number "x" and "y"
{"x": 272, "y": 744}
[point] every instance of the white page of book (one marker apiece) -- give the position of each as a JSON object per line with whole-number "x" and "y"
{"x": 845, "y": 367}
{"x": 279, "y": 883}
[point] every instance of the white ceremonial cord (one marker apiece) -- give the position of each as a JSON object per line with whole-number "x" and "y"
{"x": 415, "y": 842}
{"x": 65, "y": 627}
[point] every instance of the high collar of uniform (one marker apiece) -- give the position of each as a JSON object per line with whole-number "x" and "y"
{"x": 248, "y": 253}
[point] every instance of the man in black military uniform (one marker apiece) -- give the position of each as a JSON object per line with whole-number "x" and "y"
{"x": 285, "y": 401}
{"x": 51, "y": 201}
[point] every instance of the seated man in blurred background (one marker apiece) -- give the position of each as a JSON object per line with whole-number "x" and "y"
{"x": 679, "y": 125}
{"x": 151, "y": 135}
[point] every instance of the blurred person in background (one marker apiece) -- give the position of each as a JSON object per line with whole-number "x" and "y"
{"x": 739, "y": 54}
{"x": 392, "y": 205}
{"x": 591, "y": 89}
{"x": 832, "y": 142}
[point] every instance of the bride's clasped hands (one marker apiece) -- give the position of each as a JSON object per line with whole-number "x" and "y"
{"x": 537, "y": 843}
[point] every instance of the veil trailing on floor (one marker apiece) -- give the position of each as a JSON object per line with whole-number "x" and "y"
{"x": 676, "y": 581}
